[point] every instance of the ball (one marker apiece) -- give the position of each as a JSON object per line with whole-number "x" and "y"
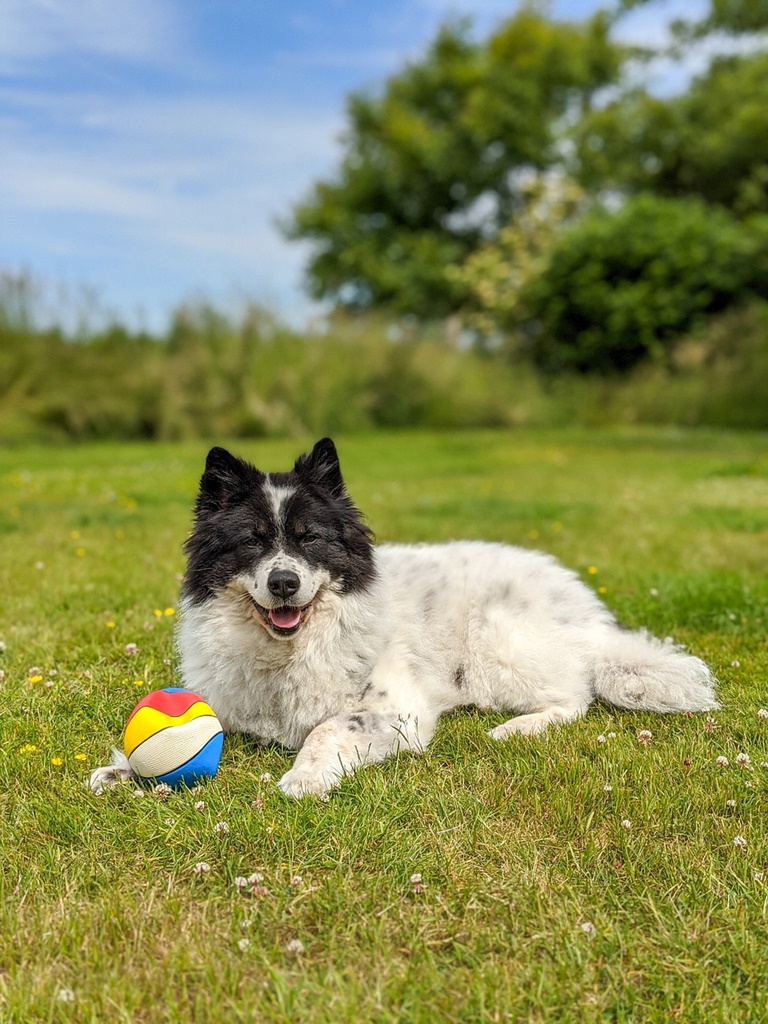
{"x": 173, "y": 736}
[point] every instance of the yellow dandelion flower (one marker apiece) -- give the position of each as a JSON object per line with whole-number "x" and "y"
{"x": 170, "y": 611}
{"x": 602, "y": 590}
{"x": 110, "y": 625}
{"x": 35, "y": 679}
{"x": 57, "y": 761}
{"x": 28, "y": 748}
{"x": 74, "y": 534}
{"x": 157, "y": 613}
{"x": 139, "y": 682}
{"x": 80, "y": 552}
{"x": 81, "y": 757}
{"x": 592, "y": 570}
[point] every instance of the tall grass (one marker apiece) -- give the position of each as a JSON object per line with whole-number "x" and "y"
{"x": 251, "y": 376}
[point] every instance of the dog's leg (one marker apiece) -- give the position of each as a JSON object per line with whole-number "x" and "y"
{"x": 344, "y": 743}
{"x": 537, "y": 722}
{"x": 111, "y": 774}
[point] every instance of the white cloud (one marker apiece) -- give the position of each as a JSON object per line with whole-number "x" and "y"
{"x": 32, "y": 30}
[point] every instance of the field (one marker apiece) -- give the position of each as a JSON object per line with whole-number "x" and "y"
{"x": 594, "y": 874}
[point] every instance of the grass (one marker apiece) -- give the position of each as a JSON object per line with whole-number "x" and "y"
{"x": 537, "y": 903}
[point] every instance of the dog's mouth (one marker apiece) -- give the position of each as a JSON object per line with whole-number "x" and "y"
{"x": 283, "y": 621}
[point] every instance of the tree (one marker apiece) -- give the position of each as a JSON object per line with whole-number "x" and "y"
{"x": 710, "y": 142}
{"x": 431, "y": 164}
{"x": 621, "y": 286}
{"x": 499, "y": 273}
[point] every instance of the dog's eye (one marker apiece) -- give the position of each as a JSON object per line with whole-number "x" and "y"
{"x": 308, "y": 537}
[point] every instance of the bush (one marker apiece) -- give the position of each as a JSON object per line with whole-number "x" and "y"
{"x": 622, "y": 286}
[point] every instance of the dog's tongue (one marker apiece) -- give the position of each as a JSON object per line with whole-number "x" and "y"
{"x": 285, "y": 618}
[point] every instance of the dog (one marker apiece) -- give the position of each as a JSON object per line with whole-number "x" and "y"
{"x": 298, "y": 630}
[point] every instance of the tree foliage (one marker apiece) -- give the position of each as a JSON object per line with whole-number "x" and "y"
{"x": 499, "y": 273}
{"x": 431, "y": 164}
{"x": 710, "y": 142}
{"x": 621, "y": 286}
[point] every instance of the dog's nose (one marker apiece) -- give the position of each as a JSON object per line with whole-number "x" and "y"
{"x": 283, "y": 583}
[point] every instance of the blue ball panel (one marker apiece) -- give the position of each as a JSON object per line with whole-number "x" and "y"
{"x": 203, "y": 765}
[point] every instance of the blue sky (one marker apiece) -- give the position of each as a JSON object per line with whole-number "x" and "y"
{"x": 148, "y": 146}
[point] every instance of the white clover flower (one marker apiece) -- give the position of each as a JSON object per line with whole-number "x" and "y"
{"x": 607, "y": 788}
{"x": 295, "y": 947}
{"x": 255, "y": 878}
{"x": 730, "y": 803}
{"x": 762, "y": 713}
{"x": 626, "y": 824}
{"x": 740, "y": 842}
{"x": 587, "y": 927}
{"x": 163, "y": 790}
{"x": 200, "y": 805}
{"x": 201, "y": 868}
{"x": 296, "y": 881}
{"x": 243, "y": 945}
{"x": 139, "y": 792}
{"x": 601, "y": 738}
{"x": 742, "y": 758}
{"x": 65, "y": 995}
{"x": 722, "y": 762}
{"x": 132, "y": 649}
{"x": 265, "y": 777}
{"x": 644, "y": 736}
{"x": 221, "y": 827}
{"x": 241, "y": 883}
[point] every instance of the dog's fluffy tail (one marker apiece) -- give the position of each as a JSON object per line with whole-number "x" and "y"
{"x": 639, "y": 672}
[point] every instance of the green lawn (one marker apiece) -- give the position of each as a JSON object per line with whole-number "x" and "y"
{"x": 537, "y": 903}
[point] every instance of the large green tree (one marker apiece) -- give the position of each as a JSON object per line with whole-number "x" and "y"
{"x": 710, "y": 142}
{"x": 434, "y": 163}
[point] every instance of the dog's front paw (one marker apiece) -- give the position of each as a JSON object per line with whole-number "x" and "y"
{"x": 104, "y": 778}
{"x": 111, "y": 774}
{"x": 300, "y": 782}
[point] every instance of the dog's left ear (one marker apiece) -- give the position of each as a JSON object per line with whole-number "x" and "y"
{"x": 321, "y": 466}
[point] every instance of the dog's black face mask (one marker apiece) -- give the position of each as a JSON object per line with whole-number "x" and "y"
{"x": 301, "y": 523}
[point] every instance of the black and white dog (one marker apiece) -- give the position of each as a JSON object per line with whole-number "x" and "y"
{"x": 296, "y": 629}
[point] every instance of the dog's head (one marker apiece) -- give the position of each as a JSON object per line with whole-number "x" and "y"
{"x": 278, "y": 540}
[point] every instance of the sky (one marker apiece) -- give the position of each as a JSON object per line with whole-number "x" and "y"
{"x": 149, "y": 147}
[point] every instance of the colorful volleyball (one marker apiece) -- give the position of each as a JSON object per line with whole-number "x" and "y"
{"x": 173, "y": 736}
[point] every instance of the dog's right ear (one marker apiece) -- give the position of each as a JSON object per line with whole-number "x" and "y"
{"x": 321, "y": 466}
{"x": 224, "y": 476}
